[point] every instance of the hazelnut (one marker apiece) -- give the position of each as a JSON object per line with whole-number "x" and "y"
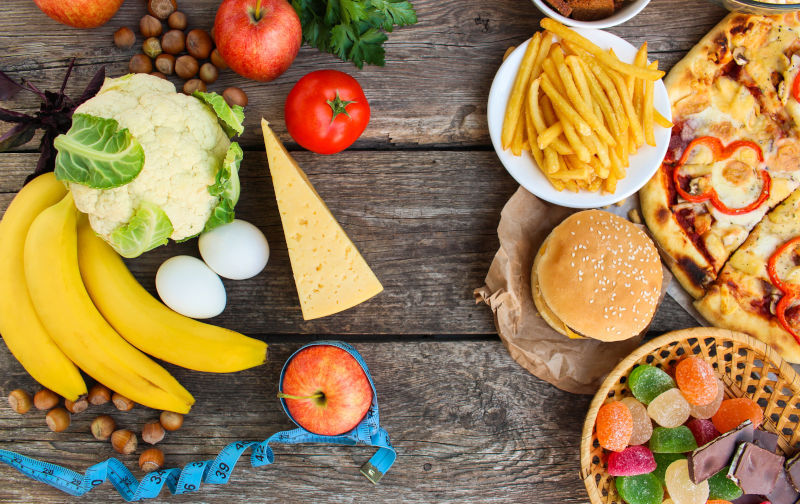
{"x": 150, "y": 26}
{"x": 124, "y": 441}
{"x": 57, "y": 419}
{"x": 216, "y": 59}
{"x": 235, "y": 96}
{"x": 152, "y": 459}
{"x": 173, "y": 42}
{"x": 20, "y": 401}
{"x": 193, "y": 85}
{"x": 159, "y": 75}
{"x": 153, "y": 432}
{"x": 102, "y": 427}
{"x": 170, "y": 420}
{"x": 140, "y": 63}
{"x": 99, "y": 394}
{"x": 45, "y": 399}
{"x": 121, "y": 402}
{"x": 161, "y": 8}
{"x": 177, "y": 20}
{"x": 199, "y": 44}
{"x": 165, "y": 63}
{"x": 124, "y": 38}
{"x": 151, "y": 47}
{"x": 76, "y": 406}
{"x": 186, "y": 67}
{"x": 208, "y": 73}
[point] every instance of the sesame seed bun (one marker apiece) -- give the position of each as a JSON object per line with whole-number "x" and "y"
{"x": 597, "y": 275}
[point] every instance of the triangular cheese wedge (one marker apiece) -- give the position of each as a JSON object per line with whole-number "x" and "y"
{"x": 329, "y": 272}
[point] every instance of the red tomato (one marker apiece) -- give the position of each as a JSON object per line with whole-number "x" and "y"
{"x": 326, "y": 111}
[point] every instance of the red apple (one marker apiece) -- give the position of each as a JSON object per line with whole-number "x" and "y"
{"x": 80, "y": 13}
{"x": 258, "y": 39}
{"x": 326, "y": 390}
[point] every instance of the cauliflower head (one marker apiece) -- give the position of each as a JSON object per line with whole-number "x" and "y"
{"x": 147, "y": 163}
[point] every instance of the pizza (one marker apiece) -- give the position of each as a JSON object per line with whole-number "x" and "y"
{"x": 734, "y": 156}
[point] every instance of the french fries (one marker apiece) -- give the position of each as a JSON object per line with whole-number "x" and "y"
{"x": 579, "y": 110}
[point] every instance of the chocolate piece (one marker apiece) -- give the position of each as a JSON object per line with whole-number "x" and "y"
{"x": 561, "y": 6}
{"x": 784, "y": 492}
{"x": 766, "y": 439}
{"x": 590, "y": 10}
{"x": 709, "y": 459}
{"x": 750, "y": 499}
{"x": 755, "y": 469}
{"x": 793, "y": 471}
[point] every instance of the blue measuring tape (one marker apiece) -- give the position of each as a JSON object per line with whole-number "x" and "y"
{"x": 217, "y": 471}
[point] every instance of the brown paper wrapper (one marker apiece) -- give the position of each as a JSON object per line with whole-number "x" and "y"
{"x": 574, "y": 365}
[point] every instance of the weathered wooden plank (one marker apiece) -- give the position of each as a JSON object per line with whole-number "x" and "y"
{"x": 425, "y": 222}
{"x": 468, "y": 422}
{"x": 432, "y": 91}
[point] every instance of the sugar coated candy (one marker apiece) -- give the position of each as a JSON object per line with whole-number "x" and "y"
{"x": 732, "y": 412}
{"x": 663, "y": 460}
{"x": 697, "y": 381}
{"x": 614, "y": 426}
{"x": 641, "y": 489}
{"x": 669, "y": 409}
{"x": 708, "y": 410}
{"x": 721, "y": 488}
{"x": 703, "y": 430}
{"x": 642, "y": 425}
{"x": 631, "y": 461}
{"x": 676, "y": 440}
{"x": 716, "y": 501}
{"x": 680, "y": 487}
{"x": 648, "y": 382}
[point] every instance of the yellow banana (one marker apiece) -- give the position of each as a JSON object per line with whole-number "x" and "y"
{"x": 70, "y": 317}
{"x": 21, "y": 328}
{"x": 152, "y": 327}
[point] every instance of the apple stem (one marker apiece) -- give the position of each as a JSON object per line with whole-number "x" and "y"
{"x": 318, "y": 395}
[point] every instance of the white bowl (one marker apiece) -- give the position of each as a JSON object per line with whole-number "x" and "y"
{"x": 523, "y": 168}
{"x": 630, "y": 9}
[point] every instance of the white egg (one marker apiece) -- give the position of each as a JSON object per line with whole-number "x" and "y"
{"x": 189, "y": 287}
{"x": 237, "y": 250}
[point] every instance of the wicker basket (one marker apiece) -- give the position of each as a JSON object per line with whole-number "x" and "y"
{"x": 748, "y": 368}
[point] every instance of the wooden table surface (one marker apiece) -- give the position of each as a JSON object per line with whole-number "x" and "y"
{"x": 420, "y": 193}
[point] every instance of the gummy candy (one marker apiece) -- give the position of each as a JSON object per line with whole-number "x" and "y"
{"x": 680, "y": 487}
{"x": 703, "y": 430}
{"x": 732, "y": 412}
{"x": 641, "y": 489}
{"x": 715, "y": 501}
{"x": 708, "y": 411}
{"x": 669, "y": 409}
{"x": 642, "y": 425}
{"x": 647, "y": 382}
{"x": 663, "y": 460}
{"x": 614, "y": 426}
{"x": 696, "y": 380}
{"x": 631, "y": 461}
{"x": 721, "y": 488}
{"x": 676, "y": 440}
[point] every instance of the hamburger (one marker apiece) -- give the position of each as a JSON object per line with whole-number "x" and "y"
{"x": 597, "y": 276}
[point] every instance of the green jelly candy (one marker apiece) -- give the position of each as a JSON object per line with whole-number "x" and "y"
{"x": 721, "y": 488}
{"x": 676, "y": 440}
{"x": 663, "y": 460}
{"x": 641, "y": 489}
{"x": 648, "y": 382}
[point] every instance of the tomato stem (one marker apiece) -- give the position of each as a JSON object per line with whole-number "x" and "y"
{"x": 338, "y": 106}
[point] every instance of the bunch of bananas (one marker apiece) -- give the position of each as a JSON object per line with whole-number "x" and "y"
{"x": 67, "y": 301}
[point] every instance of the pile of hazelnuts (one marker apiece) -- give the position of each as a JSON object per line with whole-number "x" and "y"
{"x": 103, "y": 427}
{"x": 176, "y": 51}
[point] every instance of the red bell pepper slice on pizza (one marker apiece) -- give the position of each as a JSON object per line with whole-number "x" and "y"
{"x": 791, "y": 292}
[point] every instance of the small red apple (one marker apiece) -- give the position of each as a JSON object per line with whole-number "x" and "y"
{"x": 258, "y": 39}
{"x": 80, "y": 13}
{"x": 326, "y": 390}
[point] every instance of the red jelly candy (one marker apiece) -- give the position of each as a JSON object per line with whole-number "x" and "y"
{"x": 631, "y": 461}
{"x": 696, "y": 379}
{"x": 614, "y": 426}
{"x": 703, "y": 430}
{"x": 732, "y": 412}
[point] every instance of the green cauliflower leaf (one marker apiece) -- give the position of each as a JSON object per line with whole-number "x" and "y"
{"x": 147, "y": 229}
{"x": 230, "y": 118}
{"x": 227, "y": 187}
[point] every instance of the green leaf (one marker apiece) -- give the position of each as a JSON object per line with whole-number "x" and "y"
{"x": 148, "y": 228}
{"x": 399, "y": 12}
{"x": 227, "y": 187}
{"x": 230, "y": 118}
{"x": 96, "y": 152}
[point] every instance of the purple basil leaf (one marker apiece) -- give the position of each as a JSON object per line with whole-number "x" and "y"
{"x": 14, "y": 117}
{"x": 94, "y": 85}
{"x": 8, "y": 87}
{"x": 18, "y": 135}
{"x": 47, "y": 161}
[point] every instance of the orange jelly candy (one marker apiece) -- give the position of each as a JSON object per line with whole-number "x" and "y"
{"x": 614, "y": 426}
{"x": 732, "y": 412}
{"x": 696, "y": 379}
